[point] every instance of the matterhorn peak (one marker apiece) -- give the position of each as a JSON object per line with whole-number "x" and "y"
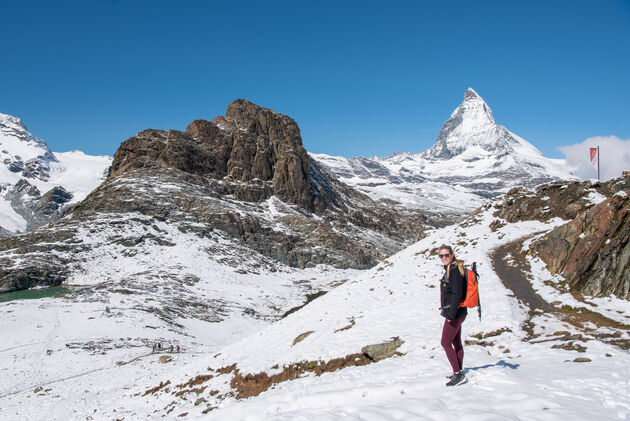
{"x": 474, "y": 109}
{"x": 470, "y": 124}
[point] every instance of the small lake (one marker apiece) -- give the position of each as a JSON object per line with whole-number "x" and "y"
{"x": 32, "y": 294}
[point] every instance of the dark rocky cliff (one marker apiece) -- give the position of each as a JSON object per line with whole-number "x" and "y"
{"x": 592, "y": 252}
{"x": 250, "y": 144}
{"x": 245, "y": 176}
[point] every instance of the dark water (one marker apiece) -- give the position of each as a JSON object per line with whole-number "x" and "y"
{"x": 32, "y": 294}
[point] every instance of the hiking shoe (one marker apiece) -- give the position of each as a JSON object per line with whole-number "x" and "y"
{"x": 457, "y": 378}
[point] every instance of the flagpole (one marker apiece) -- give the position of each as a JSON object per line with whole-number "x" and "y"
{"x": 597, "y": 162}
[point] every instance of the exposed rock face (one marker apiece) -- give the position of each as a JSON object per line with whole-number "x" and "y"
{"x": 250, "y": 144}
{"x": 32, "y": 158}
{"x": 244, "y": 177}
{"x": 36, "y": 274}
{"x": 563, "y": 199}
{"x": 38, "y": 185}
{"x": 36, "y": 209}
{"x": 592, "y": 252}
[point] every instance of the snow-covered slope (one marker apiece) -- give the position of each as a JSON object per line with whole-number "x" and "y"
{"x": 473, "y": 159}
{"x": 520, "y": 364}
{"x": 512, "y": 373}
{"x": 25, "y": 157}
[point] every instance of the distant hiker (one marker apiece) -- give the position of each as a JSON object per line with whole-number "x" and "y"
{"x": 452, "y": 293}
{"x": 171, "y": 349}
{"x": 154, "y": 347}
{"x": 178, "y": 348}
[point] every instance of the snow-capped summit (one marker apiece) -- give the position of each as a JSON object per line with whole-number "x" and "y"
{"x": 472, "y": 123}
{"x": 32, "y": 177}
{"x": 21, "y": 151}
{"x": 473, "y": 159}
{"x": 472, "y": 146}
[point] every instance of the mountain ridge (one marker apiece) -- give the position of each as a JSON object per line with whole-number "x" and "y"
{"x": 37, "y": 186}
{"x": 473, "y": 159}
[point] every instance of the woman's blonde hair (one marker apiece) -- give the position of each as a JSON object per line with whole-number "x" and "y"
{"x": 460, "y": 263}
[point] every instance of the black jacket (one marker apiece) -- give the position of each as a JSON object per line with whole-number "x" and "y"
{"x": 452, "y": 292}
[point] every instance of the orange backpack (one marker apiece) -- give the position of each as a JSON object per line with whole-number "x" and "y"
{"x": 472, "y": 290}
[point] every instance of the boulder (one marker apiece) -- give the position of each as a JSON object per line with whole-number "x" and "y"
{"x": 382, "y": 350}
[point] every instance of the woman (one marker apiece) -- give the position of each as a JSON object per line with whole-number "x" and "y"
{"x": 453, "y": 292}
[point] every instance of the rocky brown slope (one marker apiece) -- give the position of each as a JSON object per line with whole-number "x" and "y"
{"x": 591, "y": 251}
{"x": 245, "y": 176}
{"x": 251, "y": 144}
{"x": 560, "y": 199}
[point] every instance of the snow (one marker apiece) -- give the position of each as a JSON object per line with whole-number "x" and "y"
{"x": 530, "y": 381}
{"x": 511, "y": 378}
{"x": 595, "y": 197}
{"x": 78, "y": 172}
{"x": 9, "y": 219}
{"x": 75, "y": 171}
{"x": 87, "y": 355}
{"x": 28, "y": 147}
{"x": 484, "y": 158}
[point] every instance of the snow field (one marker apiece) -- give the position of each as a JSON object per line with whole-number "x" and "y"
{"x": 511, "y": 379}
{"x": 507, "y": 377}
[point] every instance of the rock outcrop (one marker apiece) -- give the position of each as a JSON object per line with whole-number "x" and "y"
{"x": 35, "y": 208}
{"x": 592, "y": 252}
{"x": 561, "y": 199}
{"x": 250, "y": 144}
{"x": 244, "y": 177}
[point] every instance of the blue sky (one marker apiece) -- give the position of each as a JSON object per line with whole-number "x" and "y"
{"x": 359, "y": 77}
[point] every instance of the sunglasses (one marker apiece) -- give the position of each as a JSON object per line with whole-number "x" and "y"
{"x": 442, "y": 256}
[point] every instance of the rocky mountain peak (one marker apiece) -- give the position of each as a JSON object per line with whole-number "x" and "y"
{"x": 18, "y": 143}
{"x": 474, "y": 108}
{"x": 23, "y": 154}
{"x": 10, "y": 121}
{"x": 262, "y": 121}
{"x": 250, "y": 145}
{"x": 471, "y": 124}
{"x": 38, "y": 185}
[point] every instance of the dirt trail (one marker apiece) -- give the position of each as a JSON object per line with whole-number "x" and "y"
{"x": 513, "y": 270}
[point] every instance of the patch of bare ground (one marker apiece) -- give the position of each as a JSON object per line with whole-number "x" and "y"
{"x": 513, "y": 269}
{"x": 202, "y": 378}
{"x": 197, "y": 390}
{"x": 247, "y": 385}
{"x": 302, "y": 336}
{"x": 584, "y": 319}
{"x": 481, "y": 336}
{"x": 156, "y": 388}
{"x": 347, "y": 327}
{"x": 309, "y": 298}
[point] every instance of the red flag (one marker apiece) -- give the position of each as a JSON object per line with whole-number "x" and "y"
{"x": 593, "y": 156}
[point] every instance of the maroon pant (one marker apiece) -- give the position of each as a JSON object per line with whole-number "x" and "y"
{"x": 452, "y": 343}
